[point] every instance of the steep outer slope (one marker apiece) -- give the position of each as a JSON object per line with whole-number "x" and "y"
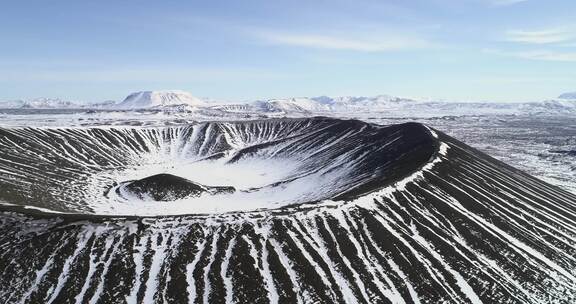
{"x": 464, "y": 228}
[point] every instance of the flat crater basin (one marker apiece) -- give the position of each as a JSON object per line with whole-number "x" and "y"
{"x": 208, "y": 167}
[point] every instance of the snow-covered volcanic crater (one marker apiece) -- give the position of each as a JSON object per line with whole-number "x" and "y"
{"x": 209, "y": 167}
{"x": 313, "y": 210}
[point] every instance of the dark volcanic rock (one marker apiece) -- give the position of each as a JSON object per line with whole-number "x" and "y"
{"x": 168, "y": 187}
{"x": 164, "y": 187}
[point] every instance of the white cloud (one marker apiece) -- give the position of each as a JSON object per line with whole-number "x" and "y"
{"x": 505, "y": 2}
{"x": 547, "y": 36}
{"x": 548, "y": 56}
{"x": 542, "y": 55}
{"x": 380, "y": 43}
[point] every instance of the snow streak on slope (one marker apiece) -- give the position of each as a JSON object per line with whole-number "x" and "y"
{"x": 461, "y": 227}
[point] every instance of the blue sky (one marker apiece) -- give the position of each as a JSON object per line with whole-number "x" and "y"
{"x": 502, "y": 50}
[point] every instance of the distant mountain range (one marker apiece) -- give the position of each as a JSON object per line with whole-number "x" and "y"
{"x": 38, "y": 103}
{"x": 181, "y": 101}
{"x": 319, "y": 104}
{"x": 53, "y": 103}
{"x": 396, "y": 106}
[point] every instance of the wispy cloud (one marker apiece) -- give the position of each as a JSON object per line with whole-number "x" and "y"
{"x": 542, "y": 55}
{"x": 505, "y": 2}
{"x": 375, "y": 43}
{"x": 548, "y": 36}
{"x": 548, "y": 56}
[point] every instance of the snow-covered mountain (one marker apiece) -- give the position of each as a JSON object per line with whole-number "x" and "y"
{"x": 12, "y": 104}
{"x": 321, "y": 104}
{"x": 397, "y": 106}
{"x": 288, "y": 105}
{"x": 151, "y": 99}
{"x": 569, "y": 95}
{"x": 101, "y": 105}
{"x": 41, "y": 103}
{"x": 180, "y": 101}
{"x": 351, "y": 103}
